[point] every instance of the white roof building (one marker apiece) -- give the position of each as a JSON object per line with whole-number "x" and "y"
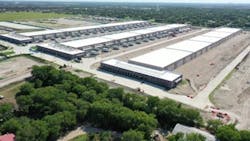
{"x": 217, "y": 34}
{"x": 188, "y": 130}
{"x": 120, "y": 36}
{"x": 159, "y": 28}
{"x": 174, "y": 55}
{"x": 46, "y": 32}
{"x": 189, "y": 46}
{"x": 63, "y": 49}
{"x": 17, "y": 26}
{"x": 160, "y": 59}
{"x": 16, "y": 37}
{"x": 164, "y": 75}
{"x": 227, "y": 29}
{"x": 206, "y": 39}
{"x": 86, "y": 42}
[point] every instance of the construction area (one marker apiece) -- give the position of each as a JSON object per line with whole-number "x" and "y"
{"x": 207, "y": 66}
{"x": 234, "y": 93}
{"x": 176, "y": 61}
{"x": 176, "y": 55}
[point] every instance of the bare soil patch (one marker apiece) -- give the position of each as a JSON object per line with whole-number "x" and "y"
{"x": 201, "y": 70}
{"x": 234, "y": 94}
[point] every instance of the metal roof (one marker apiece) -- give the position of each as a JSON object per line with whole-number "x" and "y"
{"x": 45, "y": 32}
{"x": 217, "y": 34}
{"x": 165, "y": 75}
{"x": 189, "y": 46}
{"x": 86, "y": 42}
{"x": 17, "y": 26}
{"x": 120, "y": 36}
{"x": 16, "y": 37}
{"x": 207, "y": 39}
{"x": 160, "y": 58}
{"x": 159, "y": 28}
{"x": 188, "y": 130}
{"x": 63, "y": 49}
{"x": 227, "y": 29}
{"x": 108, "y": 38}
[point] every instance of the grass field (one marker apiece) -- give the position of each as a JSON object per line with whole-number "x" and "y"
{"x": 80, "y": 138}
{"x": 11, "y": 90}
{"x": 16, "y": 16}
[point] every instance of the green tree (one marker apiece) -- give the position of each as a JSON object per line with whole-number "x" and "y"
{"x": 213, "y": 125}
{"x": 245, "y": 135}
{"x": 132, "y": 135}
{"x": 195, "y": 137}
{"x": 6, "y": 112}
{"x": 26, "y": 89}
{"x": 228, "y": 133}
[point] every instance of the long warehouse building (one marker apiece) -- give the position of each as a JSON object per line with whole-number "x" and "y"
{"x": 113, "y": 39}
{"x": 173, "y": 56}
{"x": 62, "y": 33}
{"x": 154, "y": 67}
{"x": 61, "y": 51}
{"x": 162, "y": 78}
{"x": 88, "y": 45}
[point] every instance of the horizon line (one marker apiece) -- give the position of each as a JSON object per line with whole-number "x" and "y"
{"x": 112, "y": 1}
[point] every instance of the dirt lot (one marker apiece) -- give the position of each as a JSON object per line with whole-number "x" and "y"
{"x": 234, "y": 93}
{"x": 15, "y": 69}
{"x": 201, "y": 70}
{"x": 10, "y": 91}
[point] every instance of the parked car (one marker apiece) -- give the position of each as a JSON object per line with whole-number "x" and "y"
{"x": 1, "y": 97}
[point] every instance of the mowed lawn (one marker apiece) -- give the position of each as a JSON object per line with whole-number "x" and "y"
{"x": 80, "y": 138}
{"x": 15, "y": 16}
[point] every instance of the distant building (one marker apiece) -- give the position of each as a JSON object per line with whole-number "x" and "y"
{"x": 7, "y": 137}
{"x": 188, "y": 130}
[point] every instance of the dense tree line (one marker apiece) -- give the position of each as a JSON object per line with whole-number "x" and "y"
{"x": 227, "y": 132}
{"x": 196, "y": 14}
{"x": 56, "y": 101}
{"x": 208, "y": 17}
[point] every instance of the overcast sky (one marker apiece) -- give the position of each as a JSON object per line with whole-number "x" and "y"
{"x": 173, "y": 1}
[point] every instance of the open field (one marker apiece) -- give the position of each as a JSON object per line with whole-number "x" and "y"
{"x": 57, "y": 23}
{"x": 201, "y": 70}
{"x": 234, "y": 93}
{"x": 80, "y": 138}
{"x": 17, "y": 16}
{"x": 15, "y": 69}
{"x": 10, "y": 91}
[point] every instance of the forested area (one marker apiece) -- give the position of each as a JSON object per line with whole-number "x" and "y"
{"x": 208, "y": 17}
